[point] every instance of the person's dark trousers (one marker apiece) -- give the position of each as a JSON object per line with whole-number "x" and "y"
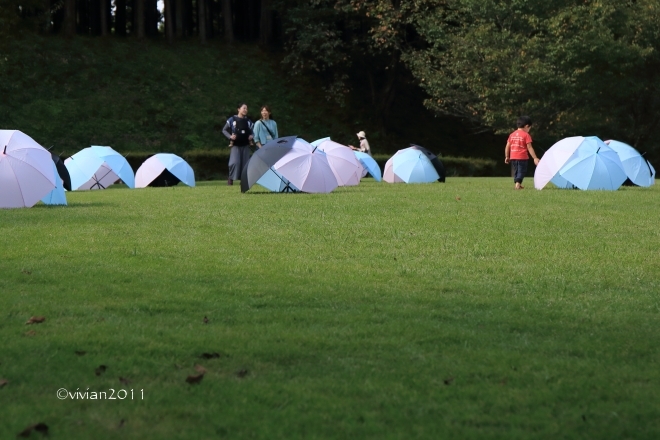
{"x": 518, "y": 169}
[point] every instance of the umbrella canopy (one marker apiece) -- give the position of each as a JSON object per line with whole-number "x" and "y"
{"x": 262, "y": 162}
{"x": 553, "y": 159}
{"x": 98, "y": 167}
{"x": 26, "y": 170}
{"x": 594, "y": 165}
{"x": 439, "y": 167}
{"x": 307, "y": 168}
{"x": 164, "y": 169}
{"x": 344, "y": 164}
{"x": 638, "y": 169}
{"x": 56, "y": 196}
{"x": 410, "y": 165}
{"x": 62, "y": 171}
{"x": 275, "y": 182}
{"x": 369, "y": 165}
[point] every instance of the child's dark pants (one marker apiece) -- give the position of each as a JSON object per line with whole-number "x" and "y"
{"x": 518, "y": 169}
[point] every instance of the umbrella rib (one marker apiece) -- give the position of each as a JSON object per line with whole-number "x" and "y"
{"x": 19, "y": 186}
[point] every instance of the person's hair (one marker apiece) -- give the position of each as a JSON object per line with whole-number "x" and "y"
{"x": 524, "y": 121}
{"x": 241, "y": 104}
{"x": 265, "y": 106}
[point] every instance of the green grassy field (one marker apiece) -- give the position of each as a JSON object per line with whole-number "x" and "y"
{"x": 457, "y": 310}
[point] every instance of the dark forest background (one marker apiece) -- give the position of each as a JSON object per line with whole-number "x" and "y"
{"x": 452, "y": 74}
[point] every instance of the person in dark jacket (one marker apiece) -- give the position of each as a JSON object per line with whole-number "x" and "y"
{"x": 238, "y": 130}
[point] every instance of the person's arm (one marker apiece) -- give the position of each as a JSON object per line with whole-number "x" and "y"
{"x": 533, "y": 154}
{"x": 277, "y": 135}
{"x": 226, "y": 130}
{"x": 507, "y": 152}
{"x": 257, "y": 133}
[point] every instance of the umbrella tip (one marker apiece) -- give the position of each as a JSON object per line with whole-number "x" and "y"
{"x": 5, "y": 150}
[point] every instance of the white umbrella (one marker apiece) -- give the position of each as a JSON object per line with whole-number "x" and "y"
{"x": 26, "y": 170}
{"x": 345, "y": 166}
{"x": 164, "y": 169}
{"x": 554, "y": 159}
{"x": 307, "y": 168}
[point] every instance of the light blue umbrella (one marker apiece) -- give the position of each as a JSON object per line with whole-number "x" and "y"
{"x": 274, "y": 181}
{"x": 56, "y": 196}
{"x": 594, "y": 165}
{"x": 369, "y": 164}
{"x": 638, "y": 169}
{"x": 96, "y": 163}
{"x": 412, "y": 166}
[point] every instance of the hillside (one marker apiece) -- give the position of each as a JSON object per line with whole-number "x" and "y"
{"x": 150, "y": 97}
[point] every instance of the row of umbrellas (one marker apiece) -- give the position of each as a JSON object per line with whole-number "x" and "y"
{"x": 291, "y": 164}
{"x": 588, "y": 163}
{"x": 29, "y": 172}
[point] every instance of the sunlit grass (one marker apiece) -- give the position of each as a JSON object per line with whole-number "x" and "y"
{"x": 464, "y": 309}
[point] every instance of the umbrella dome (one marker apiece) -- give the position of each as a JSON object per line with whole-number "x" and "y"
{"x": 553, "y": 160}
{"x": 57, "y": 196}
{"x": 98, "y": 167}
{"x": 27, "y": 172}
{"x": 437, "y": 164}
{"x": 410, "y": 165}
{"x": 594, "y": 166}
{"x": 164, "y": 169}
{"x": 344, "y": 164}
{"x": 369, "y": 165}
{"x": 638, "y": 169}
{"x": 260, "y": 165}
{"x": 307, "y": 168}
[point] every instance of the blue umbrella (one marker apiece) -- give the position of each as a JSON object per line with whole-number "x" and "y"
{"x": 97, "y": 167}
{"x": 275, "y": 182}
{"x": 412, "y": 166}
{"x": 369, "y": 164}
{"x": 594, "y": 165}
{"x": 638, "y": 169}
{"x": 56, "y": 196}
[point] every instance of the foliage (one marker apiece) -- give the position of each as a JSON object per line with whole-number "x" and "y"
{"x": 377, "y": 311}
{"x": 583, "y": 68}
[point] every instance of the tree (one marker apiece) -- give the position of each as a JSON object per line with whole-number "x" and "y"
{"x": 69, "y": 18}
{"x": 576, "y": 68}
{"x": 228, "y": 21}
{"x": 201, "y": 20}
{"x": 265, "y": 23}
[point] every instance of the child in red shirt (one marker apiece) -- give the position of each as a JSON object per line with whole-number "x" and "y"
{"x": 517, "y": 147}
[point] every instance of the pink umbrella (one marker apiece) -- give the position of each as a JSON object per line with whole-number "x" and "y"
{"x": 388, "y": 173}
{"x": 344, "y": 164}
{"x": 307, "y": 168}
{"x": 26, "y": 170}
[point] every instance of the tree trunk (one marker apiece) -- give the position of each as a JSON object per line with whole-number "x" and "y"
{"x": 105, "y": 9}
{"x": 169, "y": 24}
{"x": 265, "y": 23}
{"x": 178, "y": 12}
{"x": 139, "y": 20}
{"x": 229, "y": 22}
{"x": 120, "y": 18}
{"x": 70, "y": 18}
{"x": 201, "y": 20}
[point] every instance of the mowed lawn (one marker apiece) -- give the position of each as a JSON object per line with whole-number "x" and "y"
{"x": 456, "y": 310}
